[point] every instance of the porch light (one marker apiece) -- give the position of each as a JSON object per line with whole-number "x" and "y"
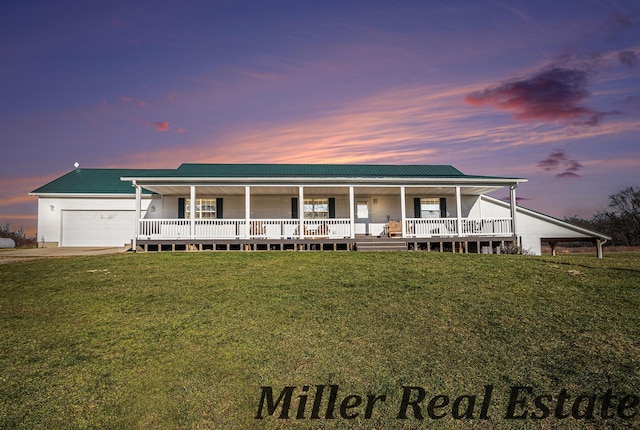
{"x": 52, "y": 207}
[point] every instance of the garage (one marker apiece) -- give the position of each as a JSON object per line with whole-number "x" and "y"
{"x": 97, "y": 228}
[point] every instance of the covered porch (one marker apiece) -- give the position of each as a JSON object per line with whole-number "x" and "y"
{"x": 291, "y": 215}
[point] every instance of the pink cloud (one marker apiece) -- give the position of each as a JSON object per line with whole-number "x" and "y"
{"x": 391, "y": 127}
{"x": 13, "y": 200}
{"x": 18, "y": 185}
{"x": 180, "y": 130}
{"x": 413, "y": 124}
{"x": 161, "y": 126}
{"x": 140, "y": 103}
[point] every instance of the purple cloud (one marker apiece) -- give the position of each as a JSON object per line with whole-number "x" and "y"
{"x": 628, "y": 59}
{"x": 567, "y": 175}
{"x": 617, "y": 22}
{"x": 559, "y": 159}
{"x": 554, "y": 94}
{"x": 558, "y": 92}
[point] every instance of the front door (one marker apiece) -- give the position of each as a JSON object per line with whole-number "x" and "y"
{"x": 363, "y": 216}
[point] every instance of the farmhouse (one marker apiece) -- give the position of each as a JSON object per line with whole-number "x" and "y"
{"x": 294, "y": 206}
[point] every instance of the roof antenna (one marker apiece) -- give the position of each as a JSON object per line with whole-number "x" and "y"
{"x": 76, "y": 164}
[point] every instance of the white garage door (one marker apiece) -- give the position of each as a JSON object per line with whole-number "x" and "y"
{"x": 97, "y": 228}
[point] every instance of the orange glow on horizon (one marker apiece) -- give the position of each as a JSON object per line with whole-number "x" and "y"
{"x": 429, "y": 125}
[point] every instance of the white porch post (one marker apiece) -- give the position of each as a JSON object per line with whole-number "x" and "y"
{"x": 599, "y": 243}
{"x": 192, "y": 218}
{"x": 403, "y": 211}
{"x": 352, "y": 213}
{"x": 458, "y": 211}
{"x": 512, "y": 203}
{"x": 247, "y": 211}
{"x": 301, "y": 211}
{"x": 136, "y": 231}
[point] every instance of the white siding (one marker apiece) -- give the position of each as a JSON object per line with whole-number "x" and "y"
{"x": 531, "y": 227}
{"x": 50, "y": 212}
{"x": 471, "y": 206}
{"x": 153, "y": 208}
{"x": 264, "y": 206}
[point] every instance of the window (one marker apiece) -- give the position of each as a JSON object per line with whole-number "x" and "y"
{"x": 362, "y": 209}
{"x": 316, "y": 208}
{"x": 430, "y": 208}
{"x": 205, "y": 208}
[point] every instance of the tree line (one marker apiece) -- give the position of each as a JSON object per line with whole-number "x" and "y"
{"x": 19, "y": 236}
{"x": 620, "y": 220}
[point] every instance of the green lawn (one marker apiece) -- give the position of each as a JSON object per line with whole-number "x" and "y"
{"x": 187, "y": 340}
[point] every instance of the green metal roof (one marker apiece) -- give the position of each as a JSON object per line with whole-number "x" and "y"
{"x": 108, "y": 181}
{"x": 98, "y": 181}
{"x": 316, "y": 171}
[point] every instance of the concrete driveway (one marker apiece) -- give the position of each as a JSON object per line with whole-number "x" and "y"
{"x": 9, "y": 255}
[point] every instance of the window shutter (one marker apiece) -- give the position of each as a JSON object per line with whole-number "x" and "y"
{"x": 219, "y": 207}
{"x": 294, "y": 207}
{"x": 181, "y": 207}
{"x": 332, "y": 207}
{"x": 416, "y": 207}
{"x": 443, "y": 207}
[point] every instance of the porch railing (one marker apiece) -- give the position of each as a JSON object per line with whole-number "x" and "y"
{"x": 181, "y": 228}
{"x": 448, "y": 227}
{"x": 164, "y": 228}
{"x": 274, "y": 228}
{"x": 213, "y": 228}
{"x": 486, "y": 227}
{"x": 428, "y": 227}
{"x": 330, "y": 227}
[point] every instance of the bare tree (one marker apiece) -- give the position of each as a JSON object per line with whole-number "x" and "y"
{"x": 623, "y": 220}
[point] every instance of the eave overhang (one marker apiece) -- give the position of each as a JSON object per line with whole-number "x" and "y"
{"x": 313, "y": 181}
{"x": 180, "y": 185}
{"x": 92, "y": 195}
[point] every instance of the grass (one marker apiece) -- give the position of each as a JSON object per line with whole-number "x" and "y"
{"x": 187, "y": 340}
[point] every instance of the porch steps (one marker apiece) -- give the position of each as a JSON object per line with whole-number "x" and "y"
{"x": 380, "y": 244}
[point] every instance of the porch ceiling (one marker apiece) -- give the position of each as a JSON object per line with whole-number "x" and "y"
{"x": 221, "y": 190}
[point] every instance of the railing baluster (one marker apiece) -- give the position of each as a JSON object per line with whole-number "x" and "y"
{"x": 332, "y": 227}
{"x": 447, "y": 227}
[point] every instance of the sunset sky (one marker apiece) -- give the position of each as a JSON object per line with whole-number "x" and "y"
{"x": 545, "y": 90}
